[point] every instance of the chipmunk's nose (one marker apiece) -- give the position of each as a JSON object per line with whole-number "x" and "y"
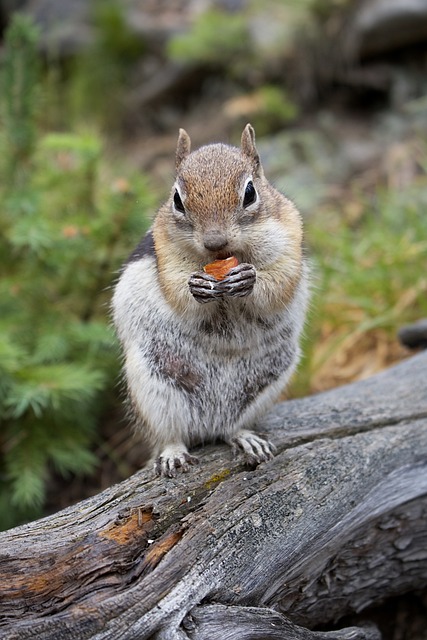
{"x": 214, "y": 240}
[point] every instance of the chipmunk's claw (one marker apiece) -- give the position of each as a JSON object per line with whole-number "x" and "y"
{"x": 172, "y": 460}
{"x": 254, "y": 448}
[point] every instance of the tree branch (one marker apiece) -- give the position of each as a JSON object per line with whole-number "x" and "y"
{"x": 335, "y": 523}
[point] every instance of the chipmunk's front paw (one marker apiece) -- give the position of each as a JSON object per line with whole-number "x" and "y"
{"x": 240, "y": 280}
{"x": 204, "y": 287}
{"x": 174, "y": 459}
{"x": 254, "y": 448}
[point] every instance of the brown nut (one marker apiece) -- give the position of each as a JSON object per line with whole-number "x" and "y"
{"x": 220, "y": 268}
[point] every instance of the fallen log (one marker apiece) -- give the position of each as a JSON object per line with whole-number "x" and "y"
{"x": 334, "y": 524}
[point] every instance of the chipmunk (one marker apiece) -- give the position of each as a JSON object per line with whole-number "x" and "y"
{"x": 206, "y": 358}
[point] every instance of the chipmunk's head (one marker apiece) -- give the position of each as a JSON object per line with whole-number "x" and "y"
{"x": 217, "y": 196}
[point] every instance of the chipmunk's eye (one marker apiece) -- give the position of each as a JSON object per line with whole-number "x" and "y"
{"x": 178, "y": 202}
{"x": 250, "y": 194}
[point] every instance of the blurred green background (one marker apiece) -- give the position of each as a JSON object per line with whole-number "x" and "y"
{"x": 92, "y": 96}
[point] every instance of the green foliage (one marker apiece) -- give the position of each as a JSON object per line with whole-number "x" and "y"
{"x": 18, "y": 87}
{"x": 274, "y": 109}
{"x": 246, "y": 48}
{"x": 277, "y": 104}
{"x": 100, "y": 74}
{"x": 324, "y": 9}
{"x": 370, "y": 278}
{"x": 380, "y": 259}
{"x": 216, "y": 37}
{"x": 63, "y": 234}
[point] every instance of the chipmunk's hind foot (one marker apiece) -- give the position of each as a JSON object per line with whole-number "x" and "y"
{"x": 254, "y": 448}
{"x": 174, "y": 459}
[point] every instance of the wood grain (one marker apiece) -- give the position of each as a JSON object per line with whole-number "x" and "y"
{"x": 334, "y": 524}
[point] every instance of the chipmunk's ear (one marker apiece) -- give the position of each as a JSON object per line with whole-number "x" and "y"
{"x": 249, "y": 149}
{"x": 183, "y": 147}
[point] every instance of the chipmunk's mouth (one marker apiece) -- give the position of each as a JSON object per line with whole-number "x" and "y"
{"x": 222, "y": 255}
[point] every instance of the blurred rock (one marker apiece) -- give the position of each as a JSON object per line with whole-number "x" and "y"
{"x": 65, "y": 27}
{"x": 156, "y": 81}
{"x": 414, "y": 336}
{"x": 372, "y": 51}
{"x": 379, "y": 27}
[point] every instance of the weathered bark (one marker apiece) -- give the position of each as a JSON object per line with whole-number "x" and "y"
{"x": 336, "y": 522}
